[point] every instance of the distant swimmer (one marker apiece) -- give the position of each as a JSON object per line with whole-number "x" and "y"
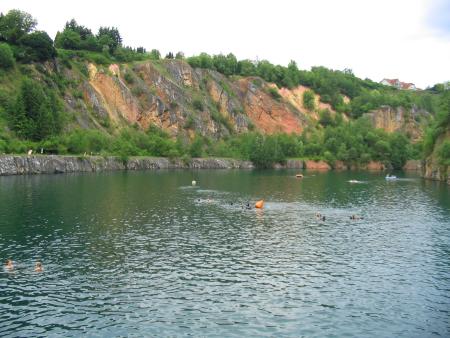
{"x": 9, "y": 264}
{"x": 318, "y": 215}
{"x": 38, "y": 267}
{"x": 323, "y": 218}
{"x": 356, "y": 217}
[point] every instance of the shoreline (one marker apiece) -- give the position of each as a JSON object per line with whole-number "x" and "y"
{"x": 57, "y": 164}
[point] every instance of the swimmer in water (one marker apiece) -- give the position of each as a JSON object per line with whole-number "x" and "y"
{"x": 9, "y": 264}
{"x": 356, "y": 217}
{"x": 323, "y": 218}
{"x": 318, "y": 215}
{"x": 38, "y": 267}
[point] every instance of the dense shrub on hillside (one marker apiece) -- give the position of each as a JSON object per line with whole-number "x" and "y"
{"x": 37, "y": 46}
{"x": 308, "y": 100}
{"x": 197, "y": 104}
{"x": 440, "y": 125}
{"x": 443, "y": 153}
{"x": 36, "y": 112}
{"x": 6, "y": 56}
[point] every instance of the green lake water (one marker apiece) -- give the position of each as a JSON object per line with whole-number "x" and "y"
{"x": 146, "y": 254}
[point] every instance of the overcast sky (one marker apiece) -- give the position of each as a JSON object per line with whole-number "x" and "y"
{"x": 405, "y": 39}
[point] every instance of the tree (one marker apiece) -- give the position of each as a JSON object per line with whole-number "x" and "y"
{"x": 110, "y": 37}
{"x": 196, "y": 148}
{"x": 246, "y": 68}
{"x": 400, "y": 150}
{"x": 68, "y": 39}
{"x": 16, "y": 24}
{"x": 308, "y": 100}
{"x": 6, "y": 56}
{"x": 18, "y": 119}
{"x": 35, "y": 114}
{"x": 325, "y": 118}
{"x": 82, "y": 31}
{"x": 155, "y": 54}
{"x": 291, "y": 75}
{"x": 38, "y": 46}
{"x": 169, "y": 56}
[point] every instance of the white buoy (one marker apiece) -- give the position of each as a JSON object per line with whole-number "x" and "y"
{"x": 194, "y": 183}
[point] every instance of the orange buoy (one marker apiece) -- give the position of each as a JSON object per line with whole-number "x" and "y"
{"x": 259, "y": 204}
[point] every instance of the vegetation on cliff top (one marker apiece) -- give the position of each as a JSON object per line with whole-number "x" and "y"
{"x": 439, "y": 128}
{"x": 32, "y": 113}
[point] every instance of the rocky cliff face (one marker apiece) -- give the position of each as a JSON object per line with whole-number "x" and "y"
{"x": 432, "y": 169}
{"x": 180, "y": 99}
{"x": 399, "y": 119}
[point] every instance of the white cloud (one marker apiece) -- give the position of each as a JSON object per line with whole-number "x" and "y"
{"x": 384, "y": 38}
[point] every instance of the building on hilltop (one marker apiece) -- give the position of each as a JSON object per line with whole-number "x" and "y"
{"x": 398, "y": 84}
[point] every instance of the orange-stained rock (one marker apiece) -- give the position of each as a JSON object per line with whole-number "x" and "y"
{"x": 339, "y": 165}
{"x": 399, "y": 119}
{"x": 317, "y": 165}
{"x": 373, "y": 165}
{"x": 267, "y": 114}
{"x": 413, "y": 165}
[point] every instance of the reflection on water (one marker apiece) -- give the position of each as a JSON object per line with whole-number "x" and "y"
{"x": 147, "y": 254}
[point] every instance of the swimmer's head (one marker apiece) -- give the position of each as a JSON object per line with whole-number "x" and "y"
{"x": 9, "y": 264}
{"x": 38, "y": 267}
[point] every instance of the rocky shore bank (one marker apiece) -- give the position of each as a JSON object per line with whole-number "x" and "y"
{"x": 55, "y": 164}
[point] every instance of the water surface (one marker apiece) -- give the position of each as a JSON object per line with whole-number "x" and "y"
{"x": 146, "y": 254}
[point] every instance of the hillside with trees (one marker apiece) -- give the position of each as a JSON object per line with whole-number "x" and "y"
{"x": 86, "y": 92}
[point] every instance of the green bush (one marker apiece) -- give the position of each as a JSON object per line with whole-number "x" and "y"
{"x": 128, "y": 78}
{"x": 196, "y": 148}
{"x": 308, "y": 100}
{"x": 38, "y": 46}
{"x": 274, "y": 93}
{"x": 197, "y": 104}
{"x": 6, "y": 56}
{"x": 443, "y": 153}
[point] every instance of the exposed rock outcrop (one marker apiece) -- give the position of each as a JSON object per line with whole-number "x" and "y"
{"x": 177, "y": 98}
{"x": 317, "y": 165}
{"x": 433, "y": 169}
{"x": 399, "y": 119}
{"x": 23, "y": 165}
{"x": 413, "y": 165}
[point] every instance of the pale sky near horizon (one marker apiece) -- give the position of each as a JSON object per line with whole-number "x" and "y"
{"x": 405, "y": 39}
